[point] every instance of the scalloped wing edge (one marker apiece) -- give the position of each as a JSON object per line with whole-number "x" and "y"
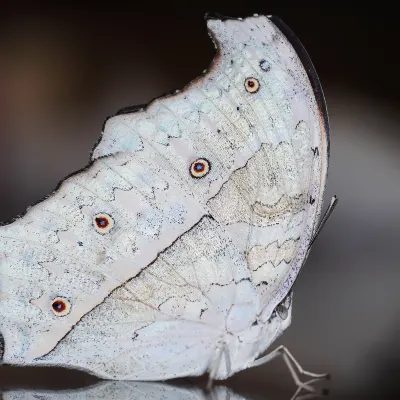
{"x": 300, "y": 51}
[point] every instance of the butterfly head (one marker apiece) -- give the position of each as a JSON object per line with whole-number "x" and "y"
{"x": 278, "y": 321}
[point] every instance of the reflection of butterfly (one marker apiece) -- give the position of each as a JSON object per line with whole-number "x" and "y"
{"x": 126, "y": 391}
{"x": 129, "y": 390}
{"x": 174, "y": 252}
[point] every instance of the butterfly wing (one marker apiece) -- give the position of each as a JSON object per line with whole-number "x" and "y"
{"x": 271, "y": 145}
{"x": 192, "y": 220}
{"x": 57, "y": 251}
{"x": 167, "y": 321}
{"x": 278, "y": 195}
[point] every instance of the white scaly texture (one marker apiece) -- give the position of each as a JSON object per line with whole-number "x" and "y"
{"x": 191, "y": 265}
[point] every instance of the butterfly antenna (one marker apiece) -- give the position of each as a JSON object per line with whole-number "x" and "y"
{"x": 325, "y": 218}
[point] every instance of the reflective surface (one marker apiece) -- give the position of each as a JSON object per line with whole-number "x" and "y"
{"x": 178, "y": 390}
{"x": 272, "y": 381}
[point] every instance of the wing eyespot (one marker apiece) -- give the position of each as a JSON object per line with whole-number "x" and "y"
{"x": 61, "y": 306}
{"x": 265, "y": 65}
{"x": 251, "y": 85}
{"x": 103, "y": 223}
{"x": 200, "y": 168}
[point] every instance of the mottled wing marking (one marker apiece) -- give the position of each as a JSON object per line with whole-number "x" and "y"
{"x": 195, "y": 260}
{"x": 280, "y": 124}
{"x": 289, "y": 164}
{"x": 176, "y": 307}
{"x": 64, "y": 255}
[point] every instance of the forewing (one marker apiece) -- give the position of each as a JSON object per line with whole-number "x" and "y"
{"x": 268, "y": 148}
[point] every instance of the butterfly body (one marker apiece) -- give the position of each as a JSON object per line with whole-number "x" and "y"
{"x": 181, "y": 240}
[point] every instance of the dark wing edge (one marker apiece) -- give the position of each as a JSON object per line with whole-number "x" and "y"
{"x": 321, "y": 104}
{"x": 311, "y": 73}
{"x": 324, "y": 118}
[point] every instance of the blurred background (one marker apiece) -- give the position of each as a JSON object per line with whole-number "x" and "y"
{"x": 64, "y": 70}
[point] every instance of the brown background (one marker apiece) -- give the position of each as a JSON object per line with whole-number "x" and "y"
{"x": 64, "y": 70}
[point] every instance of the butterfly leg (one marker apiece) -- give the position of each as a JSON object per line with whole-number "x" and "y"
{"x": 222, "y": 349}
{"x": 310, "y": 395}
{"x": 291, "y": 362}
{"x": 307, "y": 396}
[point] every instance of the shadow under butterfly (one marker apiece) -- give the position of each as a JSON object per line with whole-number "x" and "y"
{"x": 174, "y": 252}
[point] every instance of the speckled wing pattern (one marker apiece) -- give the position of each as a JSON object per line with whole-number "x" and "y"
{"x": 187, "y": 229}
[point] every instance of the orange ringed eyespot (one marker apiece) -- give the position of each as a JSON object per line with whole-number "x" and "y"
{"x": 251, "y": 85}
{"x": 103, "y": 223}
{"x": 200, "y": 168}
{"x": 61, "y": 306}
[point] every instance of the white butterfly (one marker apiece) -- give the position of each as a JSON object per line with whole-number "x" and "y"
{"x": 174, "y": 252}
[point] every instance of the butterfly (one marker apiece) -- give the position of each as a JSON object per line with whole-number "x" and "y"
{"x": 174, "y": 252}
